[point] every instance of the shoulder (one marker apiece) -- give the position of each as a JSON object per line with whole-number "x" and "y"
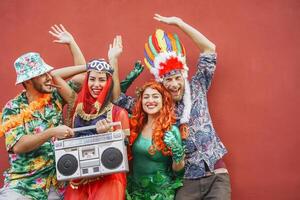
{"x": 118, "y": 109}
{"x": 13, "y": 106}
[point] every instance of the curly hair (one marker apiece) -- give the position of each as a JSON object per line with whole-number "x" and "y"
{"x": 163, "y": 121}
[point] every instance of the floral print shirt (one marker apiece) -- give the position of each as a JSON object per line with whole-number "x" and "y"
{"x": 31, "y": 174}
{"x": 203, "y": 146}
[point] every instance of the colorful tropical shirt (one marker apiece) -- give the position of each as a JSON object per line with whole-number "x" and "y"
{"x": 203, "y": 146}
{"x": 31, "y": 174}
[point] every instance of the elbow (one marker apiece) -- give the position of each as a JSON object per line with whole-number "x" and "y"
{"x": 213, "y": 47}
{"x": 210, "y": 48}
{"x": 17, "y": 149}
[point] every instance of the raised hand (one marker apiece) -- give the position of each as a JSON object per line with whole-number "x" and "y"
{"x": 137, "y": 70}
{"x": 167, "y": 20}
{"x": 115, "y": 49}
{"x": 138, "y": 67}
{"x": 175, "y": 146}
{"x": 61, "y": 34}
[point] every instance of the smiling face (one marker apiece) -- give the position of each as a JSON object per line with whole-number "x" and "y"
{"x": 96, "y": 82}
{"x": 41, "y": 83}
{"x": 151, "y": 101}
{"x": 175, "y": 85}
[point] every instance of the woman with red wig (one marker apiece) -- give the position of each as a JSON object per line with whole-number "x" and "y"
{"x": 156, "y": 147}
{"x": 93, "y": 107}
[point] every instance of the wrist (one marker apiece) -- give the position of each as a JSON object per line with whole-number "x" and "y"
{"x": 49, "y": 133}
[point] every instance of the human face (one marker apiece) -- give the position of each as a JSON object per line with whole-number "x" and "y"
{"x": 175, "y": 85}
{"x": 151, "y": 101}
{"x": 96, "y": 82}
{"x": 41, "y": 83}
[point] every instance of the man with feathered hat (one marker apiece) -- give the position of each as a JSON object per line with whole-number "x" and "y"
{"x": 205, "y": 174}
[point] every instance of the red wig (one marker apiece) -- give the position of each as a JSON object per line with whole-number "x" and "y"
{"x": 163, "y": 121}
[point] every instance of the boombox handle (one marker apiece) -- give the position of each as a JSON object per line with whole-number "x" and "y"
{"x": 84, "y": 128}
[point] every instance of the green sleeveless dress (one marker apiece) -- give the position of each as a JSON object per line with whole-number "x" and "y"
{"x": 152, "y": 176}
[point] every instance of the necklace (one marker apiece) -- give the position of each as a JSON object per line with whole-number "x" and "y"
{"x": 25, "y": 114}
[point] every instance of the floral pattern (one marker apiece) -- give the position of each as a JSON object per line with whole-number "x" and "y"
{"x": 31, "y": 174}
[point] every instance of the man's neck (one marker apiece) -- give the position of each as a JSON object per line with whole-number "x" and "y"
{"x": 33, "y": 95}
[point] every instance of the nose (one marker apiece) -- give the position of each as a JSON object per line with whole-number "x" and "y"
{"x": 173, "y": 84}
{"x": 48, "y": 76}
{"x": 97, "y": 84}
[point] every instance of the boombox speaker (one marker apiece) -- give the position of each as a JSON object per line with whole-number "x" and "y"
{"x": 90, "y": 156}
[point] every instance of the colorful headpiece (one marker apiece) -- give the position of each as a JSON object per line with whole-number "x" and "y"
{"x": 164, "y": 53}
{"x": 100, "y": 65}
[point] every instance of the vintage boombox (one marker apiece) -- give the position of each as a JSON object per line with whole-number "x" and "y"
{"x": 89, "y": 156}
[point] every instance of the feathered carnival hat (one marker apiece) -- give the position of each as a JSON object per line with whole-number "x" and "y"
{"x": 165, "y": 55}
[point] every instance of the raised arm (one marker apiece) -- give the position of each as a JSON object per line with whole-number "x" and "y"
{"x": 76, "y": 73}
{"x": 64, "y": 37}
{"x": 115, "y": 50}
{"x": 201, "y": 41}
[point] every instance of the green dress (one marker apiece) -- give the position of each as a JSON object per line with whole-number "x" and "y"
{"x": 152, "y": 176}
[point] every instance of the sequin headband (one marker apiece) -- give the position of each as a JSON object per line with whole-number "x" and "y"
{"x": 100, "y": 65}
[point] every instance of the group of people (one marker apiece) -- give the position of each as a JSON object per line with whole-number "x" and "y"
{"x": 174, "y": 151}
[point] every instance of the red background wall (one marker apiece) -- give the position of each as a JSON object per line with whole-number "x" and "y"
{"x": 254, "y": 97}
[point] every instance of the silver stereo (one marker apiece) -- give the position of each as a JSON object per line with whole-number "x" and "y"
{"x": 92, "y": 155}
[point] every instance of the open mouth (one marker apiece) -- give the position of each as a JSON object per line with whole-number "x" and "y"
{"x": 151, "y": 105}
{"x": 96, "y": 91}
{"x": 175, "y": 92}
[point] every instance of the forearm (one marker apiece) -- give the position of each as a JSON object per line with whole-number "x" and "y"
{"x": 65, "y": 91}
{"x": 78, "y": 57}
{"x": 201, "y": 41}
{"x": 29, "y": 143}
{"x": 68, "y": 72}
{"x": 116, "y": 90}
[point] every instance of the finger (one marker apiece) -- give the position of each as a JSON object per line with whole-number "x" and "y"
{"x": 159, "y": 16}
{"x": 98, "y": 124}
{"x": 57, "y": 41}
{"x": 57, "y": 28}
{"x": 66, "y": 133}
{"x": 55, "y": 35}
{"x": 63, "y": 28}
{"x": 102, "y": 123}
{"x": 110, "y": 46}
{"x": 115, "y": 42}
{"x": 120, "y": 41}
{"x": 71, "y": 132}
{"x": 156, "y": 18}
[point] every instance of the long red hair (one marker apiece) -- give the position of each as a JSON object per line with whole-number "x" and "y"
{"x": 163, "y": 121}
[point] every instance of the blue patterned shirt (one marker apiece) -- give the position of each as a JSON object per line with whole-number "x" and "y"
{"x": 203, "y": 144}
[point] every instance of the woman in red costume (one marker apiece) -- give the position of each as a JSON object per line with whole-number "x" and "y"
{"x": 93, "y": 107}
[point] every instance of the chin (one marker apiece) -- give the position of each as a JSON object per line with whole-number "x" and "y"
{"x": 177, "y": 98}
{"x": 48, "y": 91}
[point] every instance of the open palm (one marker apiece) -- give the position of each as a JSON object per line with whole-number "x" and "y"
{"x": 61, "y": 34}
{"x": 115, "y": 49}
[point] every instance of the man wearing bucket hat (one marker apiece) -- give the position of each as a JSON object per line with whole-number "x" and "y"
{"x": 30, "y": 122}
{"x": 205, "y": 176}
{"x": 33, "y": 120}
